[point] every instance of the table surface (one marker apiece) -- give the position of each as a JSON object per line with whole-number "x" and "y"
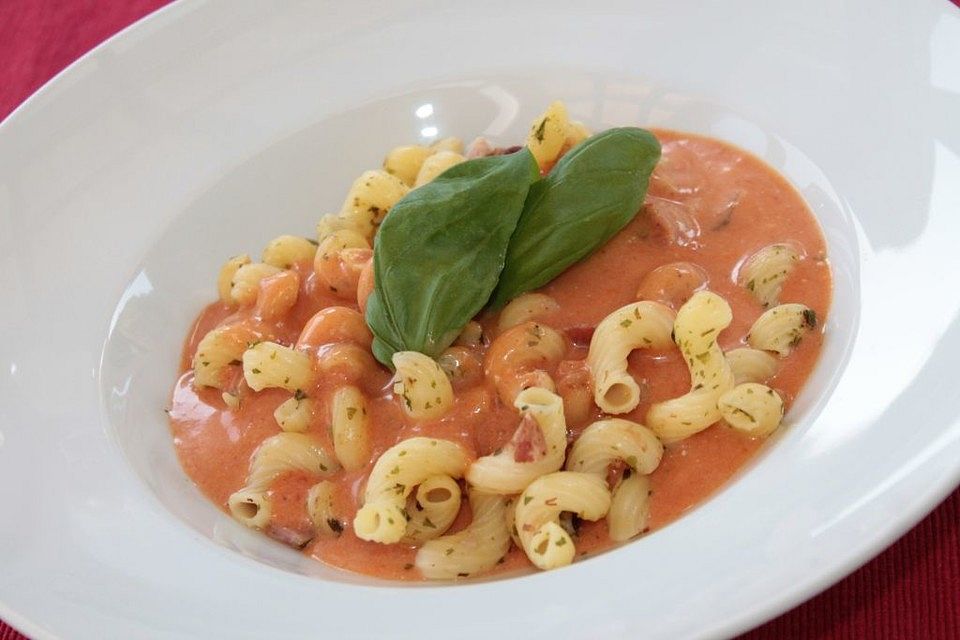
{"x": 911, "y": 590}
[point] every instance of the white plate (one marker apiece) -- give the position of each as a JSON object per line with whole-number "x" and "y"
{"x": 214, "y": 126}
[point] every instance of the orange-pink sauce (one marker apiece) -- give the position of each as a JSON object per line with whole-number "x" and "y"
{"x": 740, "y": 205}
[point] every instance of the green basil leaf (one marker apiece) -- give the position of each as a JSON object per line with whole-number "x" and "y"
{"x": 591, "y": 194}
{"x": 440, "y": 250}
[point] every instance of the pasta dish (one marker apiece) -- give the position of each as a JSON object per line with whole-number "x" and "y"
{"x": 501, "y": 357}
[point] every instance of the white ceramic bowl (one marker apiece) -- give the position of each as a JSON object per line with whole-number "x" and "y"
{"x": 213, "y": 126}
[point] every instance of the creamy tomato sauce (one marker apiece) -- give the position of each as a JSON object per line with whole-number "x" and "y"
{"x": 709, "y": 204}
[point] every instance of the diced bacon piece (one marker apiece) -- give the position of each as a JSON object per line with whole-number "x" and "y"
{"x": 296, "y": 537}
{"x": 528, "y": 441}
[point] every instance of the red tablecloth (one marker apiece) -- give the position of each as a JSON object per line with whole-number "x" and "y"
{"x": 912, "y": 590}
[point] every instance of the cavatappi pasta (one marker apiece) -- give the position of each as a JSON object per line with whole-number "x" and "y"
{"x": 282, "y": 453}
{"x": 369, "y": 200}
{"x": 588, "y": 412}
{"x": 295, "y": 414}
{"x": 322, "y": 510}
{"x": 402, "y": 468}
{"x": 432, "y": 509}
{"x": 435, "y": 164}
{"x": 607, "y": 441}
{"x": 225, "y": 279}
{"x": 288, "y": 452}
{"x": 339, "y": 261}
{"x": 751, "y": 365}
{"x": 629, "y": 507}
{"x": 245, "y": 281}
{"x": 285, "y": 251}
{"x": 421, "y": 385}
{"x": 753, "y": 408}
{"x": 350, "y": 427}
{"x": 553, "y": 133}
{"x": 764, "y": 273}
{"x": 219, "y": 349}
{"x": 638, "y": 325}
{"x": 529, "y": 306}
{"x": 536, "y": 448}
{"x": 524, "y": 356}
{"x": 696, "y": 331}
{"x": 268, "y": 364}
{"x": 405, "y": 162}
{"x": 782, "y": 328}
{"x": 475, "y": 549}
{"x": 546, "y": 543}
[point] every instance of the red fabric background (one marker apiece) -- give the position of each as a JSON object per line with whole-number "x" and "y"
{"x": 912, "y": 590}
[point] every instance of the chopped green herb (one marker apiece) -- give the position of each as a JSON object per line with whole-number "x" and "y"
{"x": 335, "y": 525}
{"x": 539, "y": 132}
